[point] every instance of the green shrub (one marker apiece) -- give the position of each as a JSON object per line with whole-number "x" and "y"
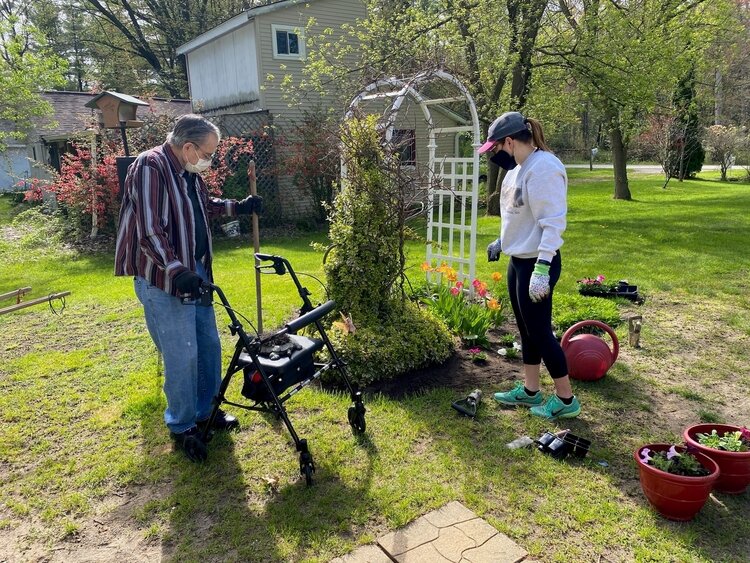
{"x": 415, "y": 339}
{"x": 365, "y": 268}
{"x": 569, "y": 309}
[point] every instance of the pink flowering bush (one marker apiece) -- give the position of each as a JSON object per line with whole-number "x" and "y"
{"x": 85, "y": 188}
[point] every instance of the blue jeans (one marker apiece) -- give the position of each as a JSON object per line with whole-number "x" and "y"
{"x": 186, "y": 336}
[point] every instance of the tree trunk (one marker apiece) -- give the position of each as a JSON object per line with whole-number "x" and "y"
{"x": 494, "y": 179}
{"x": 526, "y": 18}
{"x": 718, "y": 97}
{"x": 619, "y": 161}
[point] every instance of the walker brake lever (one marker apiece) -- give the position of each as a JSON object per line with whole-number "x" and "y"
{"x": 277, "y": 267}
{"x": 204, "y": 293}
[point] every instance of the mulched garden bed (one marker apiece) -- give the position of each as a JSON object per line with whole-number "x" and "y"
{"x": 459, "y": 372}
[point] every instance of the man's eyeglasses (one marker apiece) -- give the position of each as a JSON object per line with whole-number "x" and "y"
{"x": 202, "y": 154}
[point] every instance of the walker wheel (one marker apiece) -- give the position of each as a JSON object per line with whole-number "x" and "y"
{"x": 307, "y": 470}
{"x": 357, "y": 418}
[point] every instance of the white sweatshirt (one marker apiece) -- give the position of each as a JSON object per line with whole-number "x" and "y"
{"x": 533, "y": 205}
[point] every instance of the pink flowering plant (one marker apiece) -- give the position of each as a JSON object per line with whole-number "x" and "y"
{"x": 477, "y": 355}
{"x": 672, "y": 461}
{"x": 595, "y": 285}
{"x": 469, "y": 311}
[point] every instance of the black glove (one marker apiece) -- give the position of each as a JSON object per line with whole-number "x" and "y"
{"x": 251, "y": 204}
{"x": 189, "y": 283}
{"x": 494, "y": 249}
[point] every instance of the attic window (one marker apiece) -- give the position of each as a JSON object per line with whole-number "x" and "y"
{"x": 288, "y": 42}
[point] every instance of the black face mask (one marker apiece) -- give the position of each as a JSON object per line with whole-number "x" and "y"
{"x": 504, "y": 160}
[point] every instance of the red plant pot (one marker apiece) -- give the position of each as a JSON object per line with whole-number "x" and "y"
{"x": 735, "y": 466}
{"x": 676, "y": 497}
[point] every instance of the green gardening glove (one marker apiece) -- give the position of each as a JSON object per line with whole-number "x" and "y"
{"x": 539, "y": 285}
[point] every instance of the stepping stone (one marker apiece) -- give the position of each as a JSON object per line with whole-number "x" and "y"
{"x": 366, "y": 554}
{"x": 413, "y": 535}
{"x": 452, "y": 513}
{"x": 498, "y": 549}
{"x": 450, "y": 534}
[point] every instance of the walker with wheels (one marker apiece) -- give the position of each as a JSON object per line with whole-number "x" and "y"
{"x": 279, "y": 365}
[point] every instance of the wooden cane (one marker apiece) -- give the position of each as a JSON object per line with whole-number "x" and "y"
{"x": 256, "y": 242}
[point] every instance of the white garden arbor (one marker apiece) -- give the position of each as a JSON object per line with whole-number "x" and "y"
{"x": 452, "y": 180}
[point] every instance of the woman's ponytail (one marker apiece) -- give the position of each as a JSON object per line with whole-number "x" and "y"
{"x": 537, "y": 135}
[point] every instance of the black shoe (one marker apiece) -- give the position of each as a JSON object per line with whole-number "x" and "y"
{"x": 223, "y": 421}
{"x": 190, "y": 442}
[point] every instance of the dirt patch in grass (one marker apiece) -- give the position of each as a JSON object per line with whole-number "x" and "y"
{"x": 111, "y": 534}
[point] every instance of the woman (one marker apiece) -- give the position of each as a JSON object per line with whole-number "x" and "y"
{"x": 532, "y": 209}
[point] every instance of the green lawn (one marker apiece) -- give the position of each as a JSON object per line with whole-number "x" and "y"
{"x": 85, "y": 457}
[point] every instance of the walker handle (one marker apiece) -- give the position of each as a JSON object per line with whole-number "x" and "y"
{"x": 310, "y": 317}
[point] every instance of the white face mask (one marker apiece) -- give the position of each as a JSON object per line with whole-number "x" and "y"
{"x": 198, "y": 167}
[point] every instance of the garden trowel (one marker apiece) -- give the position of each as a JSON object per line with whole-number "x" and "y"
{"x": 468, "y": 406}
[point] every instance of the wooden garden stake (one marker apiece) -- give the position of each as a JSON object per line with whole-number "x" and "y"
{"x": 252, "y": 178}
{"x": 25, "y": 304}
{"x": 634, "y": 330}
{"x": 17, "y": 293}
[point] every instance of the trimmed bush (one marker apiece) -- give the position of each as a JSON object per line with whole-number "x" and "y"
{"x": 365, "y": 268}
{"x": 415, "y": 339}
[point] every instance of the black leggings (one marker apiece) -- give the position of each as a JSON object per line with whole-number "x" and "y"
{"x": 534, "y": 320}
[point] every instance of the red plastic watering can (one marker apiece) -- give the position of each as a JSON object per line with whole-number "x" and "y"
{"x": 589, "y": 356}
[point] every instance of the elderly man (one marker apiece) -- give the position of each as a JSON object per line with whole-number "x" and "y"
{"x": 164, "y": 242}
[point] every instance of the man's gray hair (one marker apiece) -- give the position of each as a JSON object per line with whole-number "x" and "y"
{"x": 191, "y": 128}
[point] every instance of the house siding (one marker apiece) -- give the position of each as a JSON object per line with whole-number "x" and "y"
{"x": 297, "y": 204}
{"x": 327, "y": 14}
{"x": 221, "y": 62}
{"x": 15, "y": 167}
{"x": 224, "y": 72}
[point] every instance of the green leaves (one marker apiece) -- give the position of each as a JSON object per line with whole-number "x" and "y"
{"x": 730, "y": 441}
{"x": 469, "y": 320}
{"x": 365, "y": 269}
{"x": 26, "y": 67}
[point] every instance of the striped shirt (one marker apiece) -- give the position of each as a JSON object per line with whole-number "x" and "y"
{"x": 156, "y": 234}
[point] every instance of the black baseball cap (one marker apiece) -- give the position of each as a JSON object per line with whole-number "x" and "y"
{"x": 507, "y": 124}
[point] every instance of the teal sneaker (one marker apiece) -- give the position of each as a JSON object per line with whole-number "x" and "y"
{"x": 518, "y": 396}
{"x": 554, "y": 408}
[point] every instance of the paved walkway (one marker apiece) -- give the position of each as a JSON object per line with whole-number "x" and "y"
{"x": 644, "y": 168}
{"x": 451, "y": 534}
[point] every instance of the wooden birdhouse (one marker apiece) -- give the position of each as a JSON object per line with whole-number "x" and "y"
{"x": 118, "y": 110}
